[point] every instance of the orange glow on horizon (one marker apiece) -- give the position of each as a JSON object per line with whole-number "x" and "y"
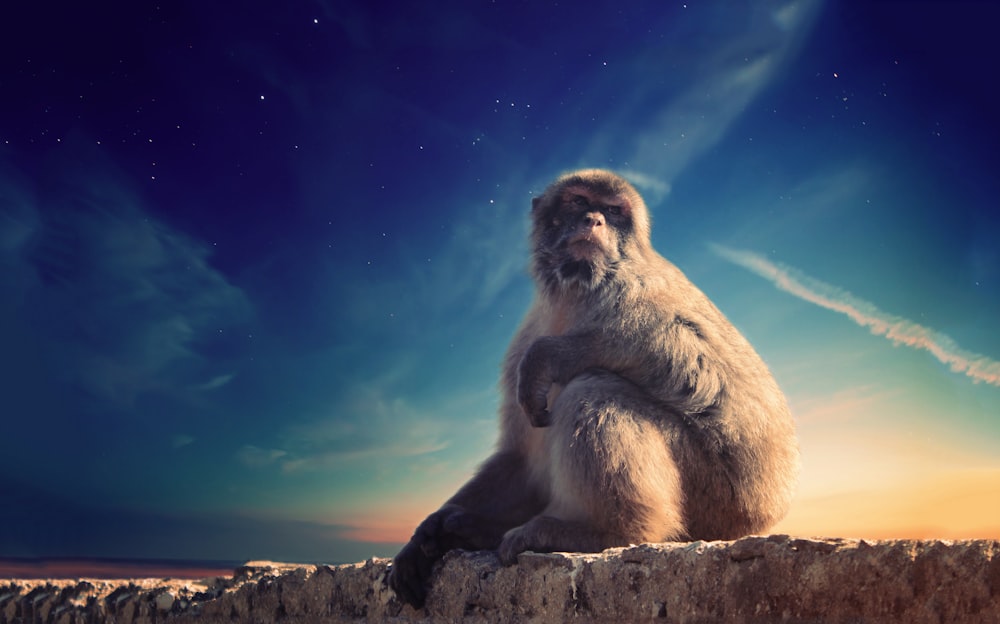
{"x": 384, "y": 524}
{"x": 963, "y": 504}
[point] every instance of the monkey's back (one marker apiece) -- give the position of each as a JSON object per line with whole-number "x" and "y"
{"x": 739, "y": 449}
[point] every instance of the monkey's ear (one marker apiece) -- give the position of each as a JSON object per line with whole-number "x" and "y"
{"x": 534, "y": 203}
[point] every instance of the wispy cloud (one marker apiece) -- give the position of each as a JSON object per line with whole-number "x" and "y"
{"x": 122, "y": 302}
{"x": 899, "y": 330}
{"x": 181, "y": 440}
{"x": 371, "y": 425}
{"x": 256, "y": 457}
{"x": 731, "y": 72}
{"x": 217, "y": 382}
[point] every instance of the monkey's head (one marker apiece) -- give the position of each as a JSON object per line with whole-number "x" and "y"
{"x": 585, "y": 225}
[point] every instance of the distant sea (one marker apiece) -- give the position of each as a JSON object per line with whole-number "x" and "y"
{"x": 30, "y": 568}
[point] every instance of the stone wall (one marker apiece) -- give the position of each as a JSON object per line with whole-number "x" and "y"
{"x": 775, "y": 578}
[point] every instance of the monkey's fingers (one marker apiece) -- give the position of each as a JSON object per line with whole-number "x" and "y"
{"x": 540, "y": 418}
{"x": 534, "y": 403}
{"x": 513, "y": 544}
{"x": 410, "y": 590}
{"x": 408, "y": 576}
{"x": 537, "y": 411}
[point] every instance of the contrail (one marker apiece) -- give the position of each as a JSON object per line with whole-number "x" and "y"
{"x": 897, "y": 329}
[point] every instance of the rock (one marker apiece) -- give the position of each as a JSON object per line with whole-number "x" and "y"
{"x": 164, "y": 600}
{"x": 755, "y": 579}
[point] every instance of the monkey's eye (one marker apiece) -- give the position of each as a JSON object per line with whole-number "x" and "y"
{"x": 615, "y": 210}
{"x": 580, "y": 201}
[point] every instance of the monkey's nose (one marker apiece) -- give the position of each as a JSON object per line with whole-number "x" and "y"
{"x": 593, "y": 219}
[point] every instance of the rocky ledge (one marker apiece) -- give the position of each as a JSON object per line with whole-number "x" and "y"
{"x": 776, "y": 578}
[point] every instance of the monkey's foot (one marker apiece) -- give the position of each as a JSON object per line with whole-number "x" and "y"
{"x": 549, "y": 534}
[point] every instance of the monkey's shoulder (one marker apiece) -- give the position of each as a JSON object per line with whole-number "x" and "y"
{"x": 666, "y": 299}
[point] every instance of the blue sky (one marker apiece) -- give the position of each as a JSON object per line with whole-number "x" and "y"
{"x": 260, "y": 266}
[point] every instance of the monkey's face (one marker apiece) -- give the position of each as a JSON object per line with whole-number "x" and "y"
{"x": 581, "y": 235}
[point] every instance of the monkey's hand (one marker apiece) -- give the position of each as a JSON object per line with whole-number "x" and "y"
{"x": 534, "y": 378}
{"x": 410, "y": 573}
{"x": 448, "y": 528}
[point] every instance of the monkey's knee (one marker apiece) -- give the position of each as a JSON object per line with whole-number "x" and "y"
{"x": 603, "y": 399}
{"x": 598, "y": 385}
{"x": 612, "y": 466}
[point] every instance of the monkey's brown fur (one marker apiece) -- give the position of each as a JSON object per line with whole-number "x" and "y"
{"x": 632, "y": 411}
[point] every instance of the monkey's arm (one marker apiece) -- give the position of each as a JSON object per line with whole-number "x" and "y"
{"x": 500, "y": 496}
{"x": 674, "y": 366}
{"x": 551, "y": 359}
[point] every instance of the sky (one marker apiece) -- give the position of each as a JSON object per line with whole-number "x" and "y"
{"x": 259, "y": 263}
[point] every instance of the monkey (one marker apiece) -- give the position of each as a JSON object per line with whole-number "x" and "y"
{"x": 631, "y": 409}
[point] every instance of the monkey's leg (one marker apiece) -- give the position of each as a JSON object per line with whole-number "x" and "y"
{"x": 614, "y": 480}
{"x": 500, "y": 496}
{"x": 497, "y": 498}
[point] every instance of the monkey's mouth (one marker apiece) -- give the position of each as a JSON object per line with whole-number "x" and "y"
{"x": 584, "y": 247}
{"x": 582, "y": 236}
